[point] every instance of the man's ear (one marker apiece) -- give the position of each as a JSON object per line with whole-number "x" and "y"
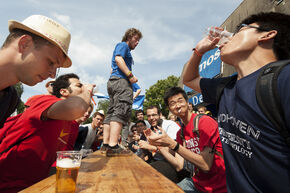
{"x": 64, "y": 92}
{"x": 25, "y": 43}
{"x": 269, "y": 35}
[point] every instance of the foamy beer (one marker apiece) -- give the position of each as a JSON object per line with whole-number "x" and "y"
{"x": 67, "y": 168}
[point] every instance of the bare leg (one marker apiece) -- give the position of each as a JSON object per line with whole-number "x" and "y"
{"x": 115, "y": 129}
{"x": 106, "y": 134}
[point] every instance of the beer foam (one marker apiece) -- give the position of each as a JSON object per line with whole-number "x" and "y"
{"x": 67, "y": 163}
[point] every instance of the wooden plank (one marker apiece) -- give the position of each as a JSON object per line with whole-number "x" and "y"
{"x": 99, "y": 173}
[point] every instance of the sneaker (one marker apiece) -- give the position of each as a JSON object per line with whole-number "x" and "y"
{"x": 104, "y": 149}
{"x": 118, "y": 152}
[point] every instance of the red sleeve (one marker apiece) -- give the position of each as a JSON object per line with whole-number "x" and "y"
{"x": 208, "y": 132}
{"x": 178, "y": 138}
{"x": 40, "y": 104}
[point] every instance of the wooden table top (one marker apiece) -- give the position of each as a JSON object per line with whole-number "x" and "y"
{"x": 99, "y": 173}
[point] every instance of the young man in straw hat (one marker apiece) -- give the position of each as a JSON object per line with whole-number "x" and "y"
{"x": 31, "y": 53}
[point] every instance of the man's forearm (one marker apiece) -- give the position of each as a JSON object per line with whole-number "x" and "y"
{"x": 122, "y": 65}
{"x": 176, "y": 162}
{"x": 191, "y": 75}
{"x": 203, "y": 161}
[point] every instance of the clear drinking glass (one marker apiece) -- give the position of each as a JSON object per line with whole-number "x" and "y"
{"x": 67, "y": 168}
{"x": 215, "y": 32}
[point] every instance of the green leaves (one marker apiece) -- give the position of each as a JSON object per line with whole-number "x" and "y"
{"x": 154, "y": 95}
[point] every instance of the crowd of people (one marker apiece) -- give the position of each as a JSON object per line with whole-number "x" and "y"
{"x": 240, "y": 150}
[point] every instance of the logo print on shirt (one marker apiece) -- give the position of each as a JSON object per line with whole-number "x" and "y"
{"x": 62, "y": 134}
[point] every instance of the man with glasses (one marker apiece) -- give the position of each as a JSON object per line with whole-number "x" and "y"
{"x": 256, "y": 155}
{"x": 171, "y": 128}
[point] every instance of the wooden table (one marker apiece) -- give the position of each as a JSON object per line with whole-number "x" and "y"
{"x": 99, "y": 173}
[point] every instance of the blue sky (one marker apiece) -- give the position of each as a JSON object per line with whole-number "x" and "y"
{"x": 170, "y": 29}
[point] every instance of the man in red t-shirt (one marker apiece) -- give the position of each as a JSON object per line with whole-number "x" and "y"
{"x": 28, "y": 143}
{"x": 203, "y": 149}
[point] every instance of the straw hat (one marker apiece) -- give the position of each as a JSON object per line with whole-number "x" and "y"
{"x": 48, "y": 29}
{"x": 101, "y": 112}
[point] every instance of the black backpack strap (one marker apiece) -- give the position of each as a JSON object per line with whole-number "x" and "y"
{"x": 268, "y": 98}
{"x": 195, "y": 123}
{"x": 224, "y": 82}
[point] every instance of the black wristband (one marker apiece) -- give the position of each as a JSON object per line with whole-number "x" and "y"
{"x": 176, "y": 147}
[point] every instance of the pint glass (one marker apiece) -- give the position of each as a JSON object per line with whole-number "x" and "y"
{"x": 67, "y": 168}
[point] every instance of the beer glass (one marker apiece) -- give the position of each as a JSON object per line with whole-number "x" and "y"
{"x": 67, "y": 168}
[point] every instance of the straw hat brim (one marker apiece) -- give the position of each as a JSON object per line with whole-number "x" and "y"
{"x": 15, "y": 24}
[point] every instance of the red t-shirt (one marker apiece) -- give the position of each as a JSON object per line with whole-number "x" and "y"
{"x": 29, "y": 162}
{"x": 214, "y": 180}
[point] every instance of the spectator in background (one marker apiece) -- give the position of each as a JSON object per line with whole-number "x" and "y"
{"x": 49, "y": 86}
{"x": 172, "y": 117}
{"x": 29, "y": 143}
{"x": 30, "y": 100}
{"x": 171, "y": 128}
{"x": 138, "y": 135}
{"x": 191, "y": 108}
{"x": 201, "y": 146}
{"x": 120, "y": 93}
{"x": 31, "y": 53}
{"x": 140, "y": 116}
{"x": 201, "y": 109}
{"x": 88, "y": 133}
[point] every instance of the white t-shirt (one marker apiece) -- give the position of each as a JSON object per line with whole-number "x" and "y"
{"x": 170, "y": 127}
{"x": 91, "y": 136}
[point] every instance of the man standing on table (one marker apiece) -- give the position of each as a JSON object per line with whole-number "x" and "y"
{"x": 120, "y": 92}
{"x": 31, "y": 53}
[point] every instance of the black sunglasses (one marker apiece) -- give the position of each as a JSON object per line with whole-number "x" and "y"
{"x": 249, "y": 26}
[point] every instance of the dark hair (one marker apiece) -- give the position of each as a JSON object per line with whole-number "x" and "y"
{"x": 274, "y": 21}
{"x": 97, "y": 113}
{"x": 15, "y": 33}
{"x": 140, "y": 121}
{"x": 62, "y": 82}
{"x": 130, "y": 33}
{"x": 132, "y": 127}
{"x": 172, "y": 92}
{"x": 139, "y": 111}
{"x": 154, "y": 107}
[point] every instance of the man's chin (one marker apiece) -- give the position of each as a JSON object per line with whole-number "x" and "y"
{"x": 31, "y": 83}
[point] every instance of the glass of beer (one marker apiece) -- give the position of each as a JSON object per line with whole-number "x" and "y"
{"x": 67, "y": 168}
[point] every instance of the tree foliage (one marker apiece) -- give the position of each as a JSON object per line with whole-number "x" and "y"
{"x": 19, "y": 89}
{"x": 154, "y": 95}
{"x": 103, "y": 105}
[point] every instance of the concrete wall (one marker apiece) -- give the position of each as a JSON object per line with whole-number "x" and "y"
{"x": 249, "y": 7}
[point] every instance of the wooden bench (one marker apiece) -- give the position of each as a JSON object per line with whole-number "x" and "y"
{"x": 99, "y": 173}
